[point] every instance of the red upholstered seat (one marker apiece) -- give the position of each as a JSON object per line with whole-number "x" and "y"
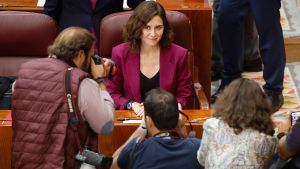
{"x": 23, "y": 36}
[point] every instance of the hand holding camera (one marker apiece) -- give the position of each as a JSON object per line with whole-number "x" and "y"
{"x": 103, "y": 67}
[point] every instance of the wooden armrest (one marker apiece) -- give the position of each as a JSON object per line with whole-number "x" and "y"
{"x": 202, "y": 99}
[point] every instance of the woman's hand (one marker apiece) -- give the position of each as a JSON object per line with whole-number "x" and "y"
{"x": 138, "y": 108}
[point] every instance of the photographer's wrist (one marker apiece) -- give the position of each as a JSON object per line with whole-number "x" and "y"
{"x": 101, "y": 83}
{"x": 102, "y": 86}
{"x": 100, "y": 80}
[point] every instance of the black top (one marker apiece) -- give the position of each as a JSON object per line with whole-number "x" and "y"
{"x": 148, "y": 83}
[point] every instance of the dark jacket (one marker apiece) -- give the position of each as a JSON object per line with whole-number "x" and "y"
{"x": 42, "y": 137}
{"x": 80, "y": 13}
{"x": 292, "y": 144}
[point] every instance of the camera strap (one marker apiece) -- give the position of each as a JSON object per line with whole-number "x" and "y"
{"x": 167, "y": 134}
{"x": 73, "y": 120}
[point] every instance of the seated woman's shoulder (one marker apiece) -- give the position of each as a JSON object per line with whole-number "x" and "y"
{"x": 120, "y": 50}
{"x": 178, "y": 47}
{"x": 121, "y": 46}
{"x": 212, "y": 124}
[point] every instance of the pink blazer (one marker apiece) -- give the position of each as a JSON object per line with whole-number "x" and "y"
{"x": 175, "y": 75}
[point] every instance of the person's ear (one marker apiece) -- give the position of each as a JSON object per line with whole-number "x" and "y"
{"x": 81, "y": 55}
{"x": 79, "y": 59}
{"x": 149, "y": 121}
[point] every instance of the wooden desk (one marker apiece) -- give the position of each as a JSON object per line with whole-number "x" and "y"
{"x": 107, "y": 144}
{"x": 5, "y": 142}
{"x": 197, "y": 11}
{"x": 121, "y": 132}
{"x": 20, "y": 5}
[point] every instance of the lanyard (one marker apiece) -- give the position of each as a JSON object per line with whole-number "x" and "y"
{"x": 167, "y": 134}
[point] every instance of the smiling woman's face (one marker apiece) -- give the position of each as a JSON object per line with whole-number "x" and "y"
{"x": 152, "y": 32}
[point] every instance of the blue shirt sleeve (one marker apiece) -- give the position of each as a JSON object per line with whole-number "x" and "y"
{"x": 196, "y": 141}
{"x": 123, "y": 158}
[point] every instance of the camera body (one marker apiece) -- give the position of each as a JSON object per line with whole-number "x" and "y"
{"x": 97, "y": 59}
{"x": 90, "y": 157}
{"x": 113, "y": 67}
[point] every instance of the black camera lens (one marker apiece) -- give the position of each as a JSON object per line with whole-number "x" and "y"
{"x": 97, "y": 59}
{"x": 112, "y": 68}
{"x": 92, "y": 157}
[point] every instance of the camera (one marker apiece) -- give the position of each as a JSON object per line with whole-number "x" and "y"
{"x": 112, "y": 69}
{"x": 90, "y": 157}
{"x": 97, "y": 59}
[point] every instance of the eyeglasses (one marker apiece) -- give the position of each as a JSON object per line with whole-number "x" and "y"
{"x": 192, "y": 133}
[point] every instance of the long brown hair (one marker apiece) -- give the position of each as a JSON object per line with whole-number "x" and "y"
{"x": 243, "y": 104}
{"x": 139, "y": 19}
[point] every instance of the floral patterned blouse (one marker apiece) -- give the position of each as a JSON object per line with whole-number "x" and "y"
{"x": 221, "y": 148}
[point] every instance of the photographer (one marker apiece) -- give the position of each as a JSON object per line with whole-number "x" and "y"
{"x": 45, "y": 134}
{"x": 289, "y": 147}
{"x": 164, "y": 148}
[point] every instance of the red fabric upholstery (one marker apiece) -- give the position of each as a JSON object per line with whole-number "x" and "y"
{"x": 23, "y": 36}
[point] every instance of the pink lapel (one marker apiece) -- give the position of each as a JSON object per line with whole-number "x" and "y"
{"x": 93, "y": 3}
{"x": 166, "y": 71}
{"x": 133, "y": 67}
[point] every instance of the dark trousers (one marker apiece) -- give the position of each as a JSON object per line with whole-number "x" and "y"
{"x": 250, "y": 40}
{"x": 267, "y": 19}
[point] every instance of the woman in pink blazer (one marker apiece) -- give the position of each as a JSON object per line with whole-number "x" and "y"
{"x": 148, "y": 59}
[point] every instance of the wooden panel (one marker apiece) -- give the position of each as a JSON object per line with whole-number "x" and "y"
{"x": 184, "y": 4}
{"x": 27, "y": 3}
{"x": 20, "y": 5}
{"x": 5, "y": 142}
{"x": 292, "y": 49}
{"x": 5, "y": 146}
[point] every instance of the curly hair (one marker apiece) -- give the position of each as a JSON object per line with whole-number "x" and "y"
{"x": 138, "y": 20}
{"x": 69, "y": 42}
{"x": 243, "y": 104}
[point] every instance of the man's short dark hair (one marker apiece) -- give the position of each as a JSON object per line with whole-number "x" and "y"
{"x": 162, "y": 107}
